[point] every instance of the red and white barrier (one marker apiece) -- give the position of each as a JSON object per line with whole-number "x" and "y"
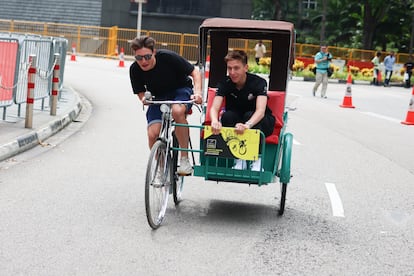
{"x": 30, "y": 92}
{"x": 206, "y": 74}
{"x": 55, "y": 85}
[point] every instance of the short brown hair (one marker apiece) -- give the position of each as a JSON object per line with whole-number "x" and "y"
{"x": 236, "y": 55}
{"x": 142, "y": 42}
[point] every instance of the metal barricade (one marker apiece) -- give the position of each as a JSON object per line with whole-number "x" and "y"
{"x": 15, "y": 50}
{"x": 60, "y": 46}
{"x": 9, "y": 49}
{"x": 43, "y": 50}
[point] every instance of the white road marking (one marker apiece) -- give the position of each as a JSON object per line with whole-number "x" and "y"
{"x": 381, "y": 116}
{"x": 336, "y": 203}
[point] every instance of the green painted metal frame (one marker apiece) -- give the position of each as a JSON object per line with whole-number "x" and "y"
{"x": 275, "y": 161}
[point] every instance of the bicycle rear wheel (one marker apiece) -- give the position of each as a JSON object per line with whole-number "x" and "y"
{"x": 178, "y": 182}
{"x": 158, "y": 181}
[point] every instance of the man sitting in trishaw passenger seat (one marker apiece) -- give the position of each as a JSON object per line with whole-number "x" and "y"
{"x": 246, "y": 102}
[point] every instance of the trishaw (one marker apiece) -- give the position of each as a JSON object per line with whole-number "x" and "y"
{"x": 216, "y": 37}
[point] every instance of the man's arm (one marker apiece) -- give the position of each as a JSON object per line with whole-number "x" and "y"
{"x": 261, "y": 103}
{"x": 141, "y": 97}
{"x": 214, "y": 111}
{"x": 319, "y": 58}
{"x": 198, "y": 95}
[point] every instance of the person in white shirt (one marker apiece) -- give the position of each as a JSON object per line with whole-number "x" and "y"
{"x": 260, "y": 50}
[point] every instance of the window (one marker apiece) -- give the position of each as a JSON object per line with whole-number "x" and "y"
{"x": 310, "y": 4}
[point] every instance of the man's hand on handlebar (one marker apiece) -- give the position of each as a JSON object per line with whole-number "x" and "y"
{"x": 198, "y": 99}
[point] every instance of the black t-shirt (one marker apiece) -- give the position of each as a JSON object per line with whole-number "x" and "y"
{"x": 409, "y": 65}
{"x": 170, "y": 72}
{"x": 244, "y": 100}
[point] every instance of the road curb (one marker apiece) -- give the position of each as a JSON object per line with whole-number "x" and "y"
{"x": 312, "y": 79}
{"x": 35, "y": 137}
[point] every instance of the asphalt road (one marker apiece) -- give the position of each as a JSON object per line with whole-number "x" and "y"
{"x": 76, "y": 206}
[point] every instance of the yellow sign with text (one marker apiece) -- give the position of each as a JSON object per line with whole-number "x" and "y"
{"x": 229, "y": 144}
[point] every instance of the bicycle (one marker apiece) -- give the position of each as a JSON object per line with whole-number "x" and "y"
{"x": 162, "y": 166}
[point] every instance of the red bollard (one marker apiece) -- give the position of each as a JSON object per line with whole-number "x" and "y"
{"x": 30, "y": 92}
{"x": 55, "y": 85}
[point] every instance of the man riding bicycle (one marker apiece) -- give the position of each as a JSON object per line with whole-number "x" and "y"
{"x": 167, "y": 76}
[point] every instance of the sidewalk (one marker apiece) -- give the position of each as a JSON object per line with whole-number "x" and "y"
{"x": 15, "y": 138}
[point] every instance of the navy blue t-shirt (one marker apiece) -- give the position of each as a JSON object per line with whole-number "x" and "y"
{"x": 170, "y": 72}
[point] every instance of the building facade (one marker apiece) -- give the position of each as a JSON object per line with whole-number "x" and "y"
{"x": 183, "y": 16}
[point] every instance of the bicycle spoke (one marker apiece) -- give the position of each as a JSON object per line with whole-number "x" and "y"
{"x": 157, "y": 185}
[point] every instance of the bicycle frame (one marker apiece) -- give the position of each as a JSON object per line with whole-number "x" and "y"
{"x": 160, "y": 175}
{"x": 167, "y": 119}
{"x": 167, "y": 125}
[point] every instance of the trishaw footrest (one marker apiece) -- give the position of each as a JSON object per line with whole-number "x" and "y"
{"x": 232, "y": 175}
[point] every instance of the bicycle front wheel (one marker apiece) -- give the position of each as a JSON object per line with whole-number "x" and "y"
{"x": 157, "y": 184}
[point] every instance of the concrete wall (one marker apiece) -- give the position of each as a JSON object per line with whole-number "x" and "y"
{"x": 116, "y": 13}
{"x": 78, "y": 12}
{"x": 183, "y": 16}
{"x": 185, "y": 23}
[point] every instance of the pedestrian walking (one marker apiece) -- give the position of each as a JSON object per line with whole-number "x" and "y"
{"x": 376, "y": 62}
{"x": 260, "y": 50}
{"x": 322, "y": 60}
{"x": 389, "y": 62}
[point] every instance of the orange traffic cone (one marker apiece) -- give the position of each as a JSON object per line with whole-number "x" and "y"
{"x": 347, "y": 102}
{"x": 73, "y": 55}
{"x": 410, "y": 113}
{"x": 121, "y": 58}
{"x": 379, "y": 77}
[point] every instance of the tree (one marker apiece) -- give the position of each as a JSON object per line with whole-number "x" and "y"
{"x": 366, "y": 24}
{"x": 277, "y": 15}
{"x": 323, "y": 22}
{"x": 374, "y": 12}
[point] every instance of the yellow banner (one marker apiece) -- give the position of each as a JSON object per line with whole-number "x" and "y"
{"x": 229, "y": 144}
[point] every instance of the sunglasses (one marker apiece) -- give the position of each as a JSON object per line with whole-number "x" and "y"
{"x": 146, "y": 57}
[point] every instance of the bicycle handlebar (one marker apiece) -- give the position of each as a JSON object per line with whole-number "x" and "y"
{"x": 149, "y": 100}
{"x": 170, "y": 102}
